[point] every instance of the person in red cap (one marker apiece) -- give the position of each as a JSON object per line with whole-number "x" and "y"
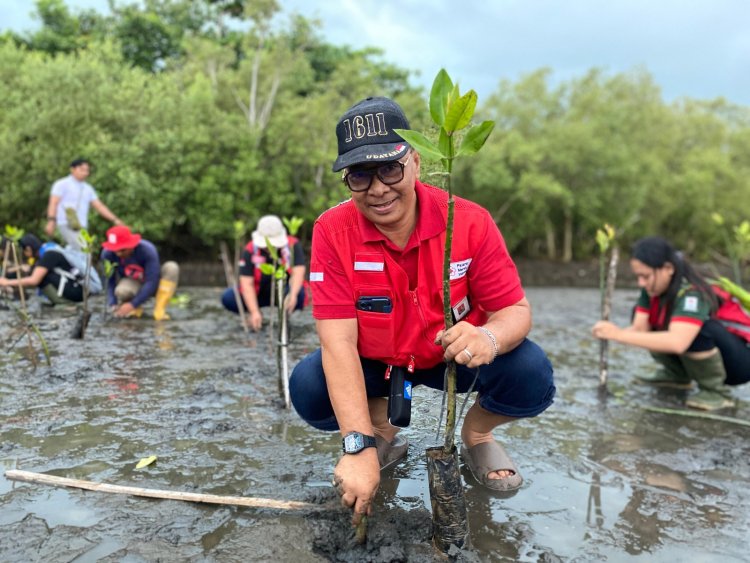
{"x": 138, "y": 274}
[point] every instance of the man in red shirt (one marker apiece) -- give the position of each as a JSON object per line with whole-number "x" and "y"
{"x": 376, "y": 278}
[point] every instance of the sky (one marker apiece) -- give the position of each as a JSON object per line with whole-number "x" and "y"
{"x": 695, "y": 48}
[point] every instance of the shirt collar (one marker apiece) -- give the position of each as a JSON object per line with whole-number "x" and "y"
{"x": 431, "y": 219}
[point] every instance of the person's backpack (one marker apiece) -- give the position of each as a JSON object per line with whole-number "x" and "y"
{"x": 77, "y": 260}
{"x": 731, "y": 313}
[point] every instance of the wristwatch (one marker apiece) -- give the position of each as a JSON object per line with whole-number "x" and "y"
{"x": 355, "y": 442}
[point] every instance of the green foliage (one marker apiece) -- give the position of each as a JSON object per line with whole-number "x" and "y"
{"x": 736, "y": 241}
{"x": 190, "y": 119}
{"x": 13, "y": 234}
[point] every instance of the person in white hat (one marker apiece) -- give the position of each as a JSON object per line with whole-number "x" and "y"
{"x": 255, "y": 286}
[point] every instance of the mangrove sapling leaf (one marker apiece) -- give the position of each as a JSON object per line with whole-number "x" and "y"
{"x": 426, "y": 148}
{"x": 475, "y": 138}
{"x": 441, "y": 89}
{"x": 267, "y": 269}
{"x": 460, "y": 112}
{"x": 145, "y": 462}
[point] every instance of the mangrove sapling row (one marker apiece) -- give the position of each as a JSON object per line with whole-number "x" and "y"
{"x": 451, "y": 113}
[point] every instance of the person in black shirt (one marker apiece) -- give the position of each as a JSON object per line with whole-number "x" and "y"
{"x": 48, "y": 274}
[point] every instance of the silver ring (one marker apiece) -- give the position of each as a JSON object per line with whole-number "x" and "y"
{"x": 469, "y": 354}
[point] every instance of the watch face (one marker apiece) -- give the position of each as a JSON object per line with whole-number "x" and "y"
{"x": 353, "y": 443}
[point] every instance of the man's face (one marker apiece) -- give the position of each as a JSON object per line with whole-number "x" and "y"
{"x": 124, "y": 253}
{"x": 390, "y": 207}
{"x": 80, "y": 172}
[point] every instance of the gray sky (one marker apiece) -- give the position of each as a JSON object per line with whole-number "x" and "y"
{"x": 696, "y": 48}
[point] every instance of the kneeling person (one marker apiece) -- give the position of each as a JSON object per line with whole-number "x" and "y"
{"x": 58, "y": 276}
{"x": 138, "y": 274}
{"x": 254, "y": 286}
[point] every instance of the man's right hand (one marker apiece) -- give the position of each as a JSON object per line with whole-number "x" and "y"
{"x": 357, "y": 477}
{"x": 254, "y": 320}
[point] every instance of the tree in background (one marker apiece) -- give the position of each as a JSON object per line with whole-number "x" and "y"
{"x": 195, "y": 111}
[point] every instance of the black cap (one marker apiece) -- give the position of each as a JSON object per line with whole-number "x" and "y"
{"x": 365, "y": 133}
{"x": 32, "y": 241}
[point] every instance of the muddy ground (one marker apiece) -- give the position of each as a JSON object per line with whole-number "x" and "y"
{"x": 605, "y": 479}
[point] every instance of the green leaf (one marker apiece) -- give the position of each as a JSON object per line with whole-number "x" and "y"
{"x": 267, "y": 269}
{"x": 293, "y": 224}
{"x": 13, "y": 233}
{"x": 476, "y": 137}
{"x": 146, "y": 461}
{"x": 239, "y": 229}
{"x": 441, "y": 89}
{"x": 602, "y": 240}
{"x": 421, "y": 144}
{"x": 460, "y": 112}
{"x": 272, "y": 250}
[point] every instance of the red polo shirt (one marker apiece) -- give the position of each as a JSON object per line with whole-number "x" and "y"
{"x": 493, "y": 279}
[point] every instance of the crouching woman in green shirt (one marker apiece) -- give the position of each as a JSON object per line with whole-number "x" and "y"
{"x": 675, "y": 320}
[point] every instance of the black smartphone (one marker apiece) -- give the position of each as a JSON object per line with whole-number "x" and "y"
{"x": 399, "y": 398}
{"x": 374, "y": 304}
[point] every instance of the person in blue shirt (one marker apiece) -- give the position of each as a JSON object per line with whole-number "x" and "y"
{"x": 137, "y": 275}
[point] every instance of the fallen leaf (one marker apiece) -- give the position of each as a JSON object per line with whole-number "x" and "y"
{"x": 146, "y": 461}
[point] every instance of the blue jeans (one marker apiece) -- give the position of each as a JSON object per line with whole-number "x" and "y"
{"x": 230, "y": 303}
{"x": 517, "y": 384}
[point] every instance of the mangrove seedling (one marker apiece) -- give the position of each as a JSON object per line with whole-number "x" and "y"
{"x": 231, "y": 270}
{"x": 278, "y": 270}
{"x": 452, "y": 113}
{"x": 605, "y": 239}
{"x": 88, "y": 247}
{"x": 109, "y": 269}
{"x": 14, "y": 234}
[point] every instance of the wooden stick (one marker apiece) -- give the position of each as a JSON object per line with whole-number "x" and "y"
{"x": 43, "y": 478}
{"x": 229, "y": 274}
{"x": 696, "y": 414}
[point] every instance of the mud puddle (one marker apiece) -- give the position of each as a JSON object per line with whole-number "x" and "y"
{"x": 604, "y": 478}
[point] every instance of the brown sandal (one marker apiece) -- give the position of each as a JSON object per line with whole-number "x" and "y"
{"x": 487, "y": 457}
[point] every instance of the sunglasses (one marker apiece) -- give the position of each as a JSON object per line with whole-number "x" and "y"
{"x": 389, "y": 173}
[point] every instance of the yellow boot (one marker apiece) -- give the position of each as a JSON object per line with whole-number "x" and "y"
{"x": 163, "y": 295}
{"x": 136, "y": 313}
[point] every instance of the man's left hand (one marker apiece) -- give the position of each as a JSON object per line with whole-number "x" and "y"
{"x": 466, "y": 344}
{"x": 290, "y": 303}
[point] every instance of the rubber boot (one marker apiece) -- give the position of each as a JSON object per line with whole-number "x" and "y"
{"x": 671, "y": 373}
{"x": 163, "y": 295}
{"x": 136, "y": 313}
{"x": 50, "y": 293}
{"x": 710, "y": 374}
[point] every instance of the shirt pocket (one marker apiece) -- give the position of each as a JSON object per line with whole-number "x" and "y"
{"x": 376, "y": 331}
